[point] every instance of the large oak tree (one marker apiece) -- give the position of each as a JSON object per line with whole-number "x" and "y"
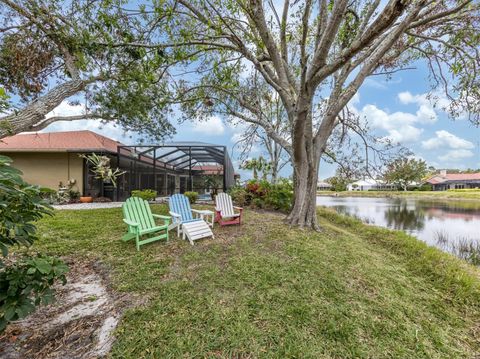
{"x": 316, "y": 55}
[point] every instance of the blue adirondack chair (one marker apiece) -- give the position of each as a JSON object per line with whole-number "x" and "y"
{"x": 182, "y": 213}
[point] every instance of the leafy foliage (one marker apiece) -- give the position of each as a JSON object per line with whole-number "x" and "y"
{"x": 405, "y": 171}
{"x": 146, "y": 194}
{"x": 56, "y": 42}
{"x": 262, "y": 194}
{"x": 26, "y": 284}
{"x": 257, "y": 165}
{"x": 20, "y": 206}
{"x": 192, "y": 196}
{"x": 101, "y": 168}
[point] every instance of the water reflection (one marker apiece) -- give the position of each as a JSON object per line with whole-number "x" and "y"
{"x": 400, "y": 216}
{"x": 458, "y": 222}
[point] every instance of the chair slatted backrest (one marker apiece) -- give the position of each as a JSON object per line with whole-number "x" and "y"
{"x": 180, "y": 204}
{"x": 138, "y": 210}
{"x": 224, "y": 203}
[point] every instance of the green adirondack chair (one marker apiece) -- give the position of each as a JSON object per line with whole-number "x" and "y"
{"x": 141, "y": 222}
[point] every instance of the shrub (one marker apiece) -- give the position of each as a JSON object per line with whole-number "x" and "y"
{"x": 240, "y": 196}
{"x": 26, "y": 282}
{"x": 262, "y": 194}
{"x": 146, "y": 194}
{"x": 73, "y": 195}
{"x": 192, "y": 196}
{"x": 280, "y": 196}
{"x": 257, "y": 203}
{"x": 48, "y": 195}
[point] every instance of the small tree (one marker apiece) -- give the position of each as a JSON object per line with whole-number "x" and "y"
{"x": 257, "y": 165}
{"x": 27, "y": 281}
{"x": 405, "y": 171}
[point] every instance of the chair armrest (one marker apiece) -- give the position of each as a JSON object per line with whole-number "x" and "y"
{"x": 239, "y": 208}
{"x": 160, "y": 216}
{"x": 165, "y": 218}
{"x": 202, "y": 211}
{"x": 131, "y": 223}
{"x": 173, "y": 214}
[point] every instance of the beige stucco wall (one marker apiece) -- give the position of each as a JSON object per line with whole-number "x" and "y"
{"x": 48, "y": 169}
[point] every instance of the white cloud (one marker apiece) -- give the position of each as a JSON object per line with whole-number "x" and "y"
{"x": 446, "y": 139}
{"x": 399, "y": 125}
{"x": 213, "y": 126}
{"x": 109, "y": 129}
{"x": 236, "y": 137}
{"x": 404, "y": 127}
{"x": 426, "y": 111}
{"x": 454, "y": 155}
{"x": 66, "y": 109}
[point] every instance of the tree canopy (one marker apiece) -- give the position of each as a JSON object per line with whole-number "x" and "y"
{"x": 140, "y": 61}
{"x": 315, "y": 55}
{"x": 56, "y": 50}
{"x": 404, "y": 172}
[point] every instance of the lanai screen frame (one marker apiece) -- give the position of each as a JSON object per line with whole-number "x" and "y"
{"x": 189, "y": 155}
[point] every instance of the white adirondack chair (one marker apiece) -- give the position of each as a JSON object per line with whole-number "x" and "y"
{"x": 225, "y": 210}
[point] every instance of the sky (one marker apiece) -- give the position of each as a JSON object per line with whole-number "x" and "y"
{"x": 397, "y": 108}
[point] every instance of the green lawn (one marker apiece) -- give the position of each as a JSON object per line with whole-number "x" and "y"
{"x": 463, "y": 195}
{"x": 264, "y": 290}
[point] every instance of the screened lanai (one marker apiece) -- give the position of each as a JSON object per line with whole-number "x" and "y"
{"x": 174, "y": 167}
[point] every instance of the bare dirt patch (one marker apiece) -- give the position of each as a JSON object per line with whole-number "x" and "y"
{"x": 79, "y": 324}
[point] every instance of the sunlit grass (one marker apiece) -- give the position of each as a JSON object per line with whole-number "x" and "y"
{"x": 265, "y": 290}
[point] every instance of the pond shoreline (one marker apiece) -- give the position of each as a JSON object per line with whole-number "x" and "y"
{"x": 433, "y": 195}
{"x": 448, "y": 224}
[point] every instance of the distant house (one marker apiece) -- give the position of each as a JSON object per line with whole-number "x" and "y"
{"x": 323, "y": 186}
{"x": 369, "y": 185}
{"x": 444, "y": 181}
{"x": 53, "y": 160}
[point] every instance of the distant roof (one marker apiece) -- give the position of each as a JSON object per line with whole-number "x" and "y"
{"x": 323, "y": 184}
{"x": 367, "y": 182}
{"x": 454, "y": 177}
{"x": 68, "y": 141}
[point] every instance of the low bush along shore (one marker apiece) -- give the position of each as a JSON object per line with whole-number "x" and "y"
{"x": 467, "y": 195}
{"x": 265, "y": 290}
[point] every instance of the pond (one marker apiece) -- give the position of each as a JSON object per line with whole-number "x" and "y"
{"x": 453, "y": 226}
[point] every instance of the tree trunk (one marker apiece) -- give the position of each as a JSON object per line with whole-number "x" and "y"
{"x": 305, "y": 161}
{"x": 304, "y": 211}
{"x": 274, "y": 173}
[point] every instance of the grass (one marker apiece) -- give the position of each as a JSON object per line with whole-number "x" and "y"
{"x": 458, "y": 194}
{"x": 265, "y": 290}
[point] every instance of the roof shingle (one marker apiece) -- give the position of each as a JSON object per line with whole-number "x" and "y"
{"x": 59, "y": 142}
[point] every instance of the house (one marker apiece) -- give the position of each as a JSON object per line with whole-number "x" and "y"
{"x": 370, "y": 185}
{"x": 444, "y": 181}
{"x": 323, "y": 186}
{"x": 54, "y": 159}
